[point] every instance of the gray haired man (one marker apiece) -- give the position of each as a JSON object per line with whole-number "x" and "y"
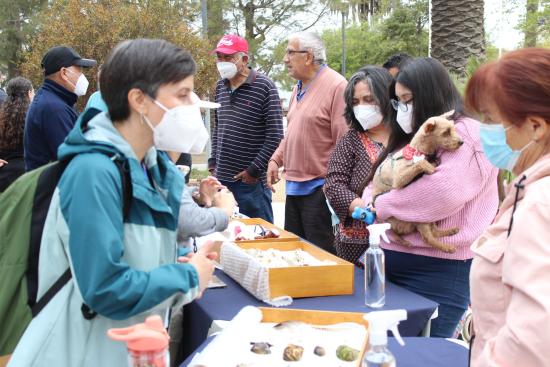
{"x": 315, "y": 123}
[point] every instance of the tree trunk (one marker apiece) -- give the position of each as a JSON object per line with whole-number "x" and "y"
{"x": 457, "y": 33}
{"x": 249, "y": 22}
{"x": 531, "y": 23}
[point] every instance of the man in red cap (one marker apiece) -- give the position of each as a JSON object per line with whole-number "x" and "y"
{"x": 248, "y": 128}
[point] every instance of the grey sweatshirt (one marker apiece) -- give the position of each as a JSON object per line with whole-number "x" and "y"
{"x": 196, "y": 221}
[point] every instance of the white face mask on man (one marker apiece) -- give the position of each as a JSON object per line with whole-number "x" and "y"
{"x": 181, "y": 129}
{"x": 368, "y": 115}
{"x": 81, "y": 85}
{"x": 227, "y": 69}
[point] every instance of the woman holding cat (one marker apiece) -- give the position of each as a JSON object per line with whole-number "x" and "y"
{"x": 511, "y": 268}
{"x": 368, "y": 113}
{"x": 461, "y": 193}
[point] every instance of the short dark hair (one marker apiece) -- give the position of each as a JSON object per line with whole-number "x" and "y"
{"x": 434, "y": 93}
{"x": 146, "y": 64}
{"x": 397, "y": 60}
{"x": 379, "y": 81}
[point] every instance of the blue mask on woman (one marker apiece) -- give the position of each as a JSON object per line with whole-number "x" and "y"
{"x": 495, "y": 147}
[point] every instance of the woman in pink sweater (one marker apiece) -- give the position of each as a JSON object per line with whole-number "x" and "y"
{"x": 510, "y": 276}
{"x": 461, "y": 193}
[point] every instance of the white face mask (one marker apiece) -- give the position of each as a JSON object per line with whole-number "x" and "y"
{"x": 368, "y": 115}
{"x": 181, "y": 129}
{"x": 405, "y": 119}
{"x": 227, "y": 70}
{"x": 81, "y": 84}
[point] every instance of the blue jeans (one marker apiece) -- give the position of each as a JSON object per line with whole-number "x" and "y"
{"x": 254, "y": 200}
{"x": 446, "y": 282}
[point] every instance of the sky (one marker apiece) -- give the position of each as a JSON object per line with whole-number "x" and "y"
{"x": 501, "y": 27}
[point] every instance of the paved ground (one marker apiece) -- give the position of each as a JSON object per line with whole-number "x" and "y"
{"x": 199, "y": 162}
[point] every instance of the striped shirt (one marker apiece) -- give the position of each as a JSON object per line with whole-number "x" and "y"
{"x": 248, "y": 127}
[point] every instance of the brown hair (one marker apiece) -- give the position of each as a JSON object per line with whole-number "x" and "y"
{"x": 13, "y": 113}
{"x": 518, "y": 84}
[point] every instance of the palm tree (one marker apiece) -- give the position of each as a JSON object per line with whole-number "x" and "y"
{"x": 457, "y": 33}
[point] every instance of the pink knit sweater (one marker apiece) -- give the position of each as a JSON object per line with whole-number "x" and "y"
{"x": 462, "y": 193}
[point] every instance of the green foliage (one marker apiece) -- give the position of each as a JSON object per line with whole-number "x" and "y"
{"x": 491, "y": 54}
{"x": 535, "y": 24}
{"x": 94, "y": 28}
{"x": 16, "y": 26}
{"x": 218, "y": 25}
{"x": 402, "y": 31}
{"x": 198, "y": 174}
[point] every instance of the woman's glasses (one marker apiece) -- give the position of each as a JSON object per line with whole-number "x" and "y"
{"x": 398, "y": 105}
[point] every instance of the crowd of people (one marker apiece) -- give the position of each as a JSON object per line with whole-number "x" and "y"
{"x": 126, "y": 266}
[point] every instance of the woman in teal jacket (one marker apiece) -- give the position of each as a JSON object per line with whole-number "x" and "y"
{"x": 124, "y": 268}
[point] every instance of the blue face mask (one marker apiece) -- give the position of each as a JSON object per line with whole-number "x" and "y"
{"x": 495, "y": 147}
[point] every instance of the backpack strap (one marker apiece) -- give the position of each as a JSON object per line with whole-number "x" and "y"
{"x": 49, "y": 179}
{"x": 50, "y": 293}
{"x": 41, "y": 202}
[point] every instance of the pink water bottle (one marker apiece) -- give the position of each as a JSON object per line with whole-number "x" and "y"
{"x": 147, "y": 343}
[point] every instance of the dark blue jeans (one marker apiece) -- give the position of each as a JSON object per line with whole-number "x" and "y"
{"x": 253, "y": 200}
{"x": 446, "y": 282}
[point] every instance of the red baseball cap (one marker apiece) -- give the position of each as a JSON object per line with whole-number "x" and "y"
{"x": 230, "y": 44}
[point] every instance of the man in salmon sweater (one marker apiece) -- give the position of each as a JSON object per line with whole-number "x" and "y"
{"x": 315, "y": 123}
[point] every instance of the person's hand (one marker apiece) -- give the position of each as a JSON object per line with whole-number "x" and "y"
{"x": 357, "y": 202}
{"x": 208, "y": 188}
{"x": 272, "y": 174}
{"x": 185, "y": 259}
{"x": 225, "y": 201}
{"x": 370, "y": 206}
{"x": 245, "y": 177}
{"x": 202, "y": 261}
{"x": 3, "y": 162}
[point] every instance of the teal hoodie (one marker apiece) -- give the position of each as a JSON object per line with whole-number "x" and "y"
{"x": 124, "y": 270}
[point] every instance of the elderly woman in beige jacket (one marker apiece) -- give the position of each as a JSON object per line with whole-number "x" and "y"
{"x": 510, "y": 274}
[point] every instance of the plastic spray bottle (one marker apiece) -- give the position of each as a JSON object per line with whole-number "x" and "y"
{"x": 375, "y": 275}
{"x": 378, "y": 354}
{"x": 147, "y": 343}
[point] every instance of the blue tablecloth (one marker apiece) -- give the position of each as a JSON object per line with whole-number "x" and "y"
{"x": 417, "y": 352}
{"x": 225, "y": 303}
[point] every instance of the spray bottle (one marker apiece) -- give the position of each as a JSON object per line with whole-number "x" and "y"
{"x": 378, "y": 354}
{"x": 147, "y": 343}
{"x": 375, "y": 275}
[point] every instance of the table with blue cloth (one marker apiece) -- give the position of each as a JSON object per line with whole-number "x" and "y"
{"x": 225, "y": 303}
{"x": 417, "y": 352}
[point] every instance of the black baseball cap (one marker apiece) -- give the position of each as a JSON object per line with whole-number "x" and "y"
{"x": 62, "y": 57}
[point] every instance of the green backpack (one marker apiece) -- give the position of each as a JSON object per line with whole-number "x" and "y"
{"x": 23, "y": 209}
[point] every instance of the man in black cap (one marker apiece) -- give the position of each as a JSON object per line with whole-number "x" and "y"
{"x": 52, "y": 114}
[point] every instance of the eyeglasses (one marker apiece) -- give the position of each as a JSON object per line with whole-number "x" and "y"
{"x": 403, "y": 106}
{"x": 292, "y": 52}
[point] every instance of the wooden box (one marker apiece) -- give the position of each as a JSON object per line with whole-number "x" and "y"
{"x": 307, "y": 281}
{"x": 285, "y": 235}
{"x": 316, "y": 318}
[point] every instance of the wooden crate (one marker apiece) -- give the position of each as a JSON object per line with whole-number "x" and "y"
{"x": 316, "y": 318}
{"x": 307, "y": 281}
{"x": 285, "y": 235}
